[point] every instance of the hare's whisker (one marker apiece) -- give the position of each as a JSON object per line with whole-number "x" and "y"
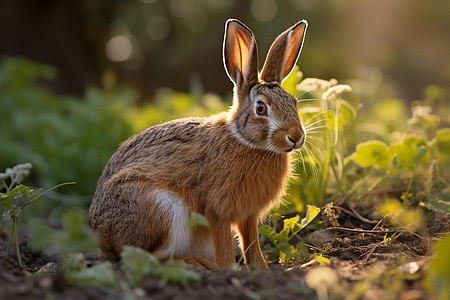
{"x": 301, "y": 94}
{"x": 306, "y": 99}
{"x": 303, "y": 162}
{"x": 318, "y": 121}
{"x": 320, "y": 113}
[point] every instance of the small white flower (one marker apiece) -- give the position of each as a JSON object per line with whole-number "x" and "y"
{"x": 315, "y": 84}
{"x": 335, "y": 91}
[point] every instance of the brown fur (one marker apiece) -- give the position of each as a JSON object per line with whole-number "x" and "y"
{"x": 232, "y": 167}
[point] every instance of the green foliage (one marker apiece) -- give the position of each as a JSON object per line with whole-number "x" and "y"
{"x": 351, "y": 150}
{"x": 282, "y": 249}
{"x": 389, "y": 240}
{"x": 9, "y": 201}
{"x": 74, "y": 236}
{"x": 409, "y": 153}
{"x": 137, "y": 263}
{"x": 443, "y": 146}
{"x": 71, "y": 139}
{"x": 373, "y": 153}
{"x": 436, "y": 203}
{"x": 337, "y": 160}
{"x": 197, "y": 220}
{"x": 327, "y": 116}
{"x": 101, "y": 274}
{"x": 437, "y": 278}
{"x": 66, "y": 139}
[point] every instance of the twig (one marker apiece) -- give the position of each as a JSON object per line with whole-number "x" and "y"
{"x": 355, "y": 214}
{"x": 309, "y": 263}
{"x": 378, "y": 244}
{"x": 357, "y": 230}
{"x": 361, "y": 217}
{"x": 373, "y": 249}
{"x": 379, "y": 222}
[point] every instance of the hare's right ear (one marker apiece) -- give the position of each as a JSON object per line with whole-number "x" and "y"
{"x": 240, "y": 55}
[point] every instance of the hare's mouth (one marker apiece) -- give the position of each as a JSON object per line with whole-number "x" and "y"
{"x": 289, "y": 150}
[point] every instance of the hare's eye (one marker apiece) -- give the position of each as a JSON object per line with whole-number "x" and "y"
{"x": 261, "y": 108}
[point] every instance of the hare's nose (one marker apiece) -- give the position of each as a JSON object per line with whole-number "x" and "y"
{"x": 296, "y": 137}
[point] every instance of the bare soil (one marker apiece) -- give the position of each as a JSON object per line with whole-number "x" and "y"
{"x": 366, "y": 266}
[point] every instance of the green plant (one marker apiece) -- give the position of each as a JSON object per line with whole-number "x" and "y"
{"x": 414, "y": 155}
{"x": 69, "y": 138}
{"x": 335, "y": 164}
{"x": 9, "y": 201}
{"x": 437, "y": 278}
{"x": 282, "y": 250}
{"x": 326, "y": 116}
{"x": 101, "y": 274}
{"x": 197, "y": 220}
{"x": 137, "y": 263}
{"x": 75, "y": 237}
{"x": 65, "y": 138}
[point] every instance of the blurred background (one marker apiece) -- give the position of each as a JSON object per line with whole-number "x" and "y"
{"x": 149, "y": 44}
{"x": 77, "y": 77}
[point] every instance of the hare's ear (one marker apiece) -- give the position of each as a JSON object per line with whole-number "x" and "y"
{"x": 283, "y": 53}
{"x": 240, "y": 55}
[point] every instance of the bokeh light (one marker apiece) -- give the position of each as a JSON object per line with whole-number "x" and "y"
{"x": 264, "y": 10}
{"x": 119, "y": 48}
{"x": 158, "y": 28}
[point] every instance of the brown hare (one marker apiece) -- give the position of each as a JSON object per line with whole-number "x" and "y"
{"x": 232, "y": 167}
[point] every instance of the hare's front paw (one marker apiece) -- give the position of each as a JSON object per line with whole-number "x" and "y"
{"x": 200, "y": 262}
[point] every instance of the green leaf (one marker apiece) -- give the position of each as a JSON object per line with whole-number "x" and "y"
{"x": 6, "y": 200}
{"x": 346, "y": 113}
{"x": 283, "y": 257}
{"x": 17, "y": 193}
{"x": 437, "y": 278}
{"x": 76, "y": 235}
{"x": 411, "y": 153}
{"x": 321, "y": 259}
{"x": 436, "y": 204}
{"x": 101, "y": 274}
{"x": 197, "y": 220}
{"x": 311, "y": 212}
{"x": 269, "y": 232}
{"x": 443, "y": 140}
{"x": 136, "y": 263}
{"x": 288, "y": 252}
{"x": 373, "y": 153}
{"x": 77, "y": 232}
{"x": 289, "y": 226}
{"x": 175, "y": 272}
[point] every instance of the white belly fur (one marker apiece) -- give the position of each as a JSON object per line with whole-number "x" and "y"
{"x": 182, "y": 241}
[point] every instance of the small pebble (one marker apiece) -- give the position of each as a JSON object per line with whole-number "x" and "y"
{"x": 320, "y": 237}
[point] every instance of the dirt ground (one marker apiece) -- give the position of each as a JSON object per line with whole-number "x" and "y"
{"x": 362, "y": 266}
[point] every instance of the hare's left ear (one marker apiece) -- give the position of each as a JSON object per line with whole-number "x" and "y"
{"x": 240, "y": 55}
{"x": 283, "y": 53}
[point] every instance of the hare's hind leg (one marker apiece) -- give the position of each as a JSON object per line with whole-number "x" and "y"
{"x": 129, "y": 214}
{"x": 137, "y": 214}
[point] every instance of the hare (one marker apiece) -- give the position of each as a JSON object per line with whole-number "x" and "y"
{"x": 232, "y": 167}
